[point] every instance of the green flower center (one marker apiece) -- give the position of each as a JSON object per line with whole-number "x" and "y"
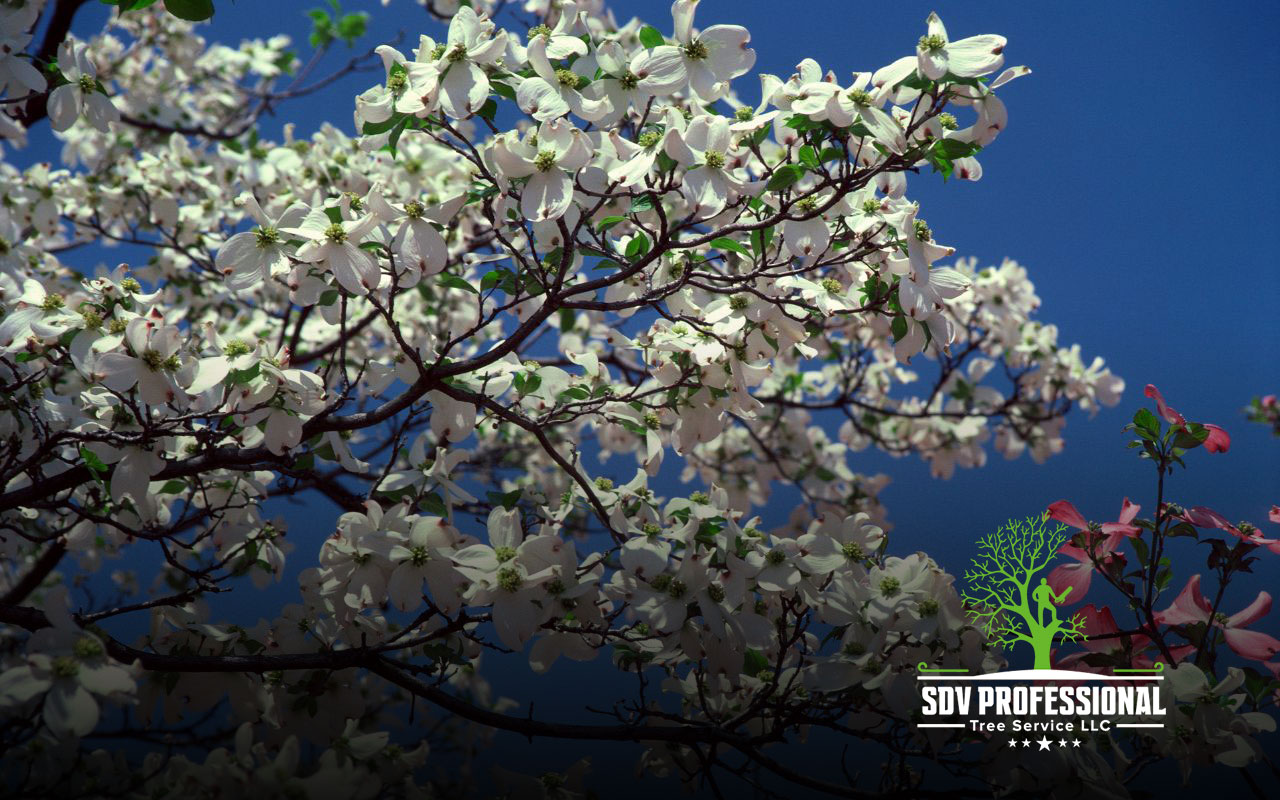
{"x": 696, "y": 50}
{"x": 713, "y": 159}
{"x": 545, "y": 160}
{"x": 716, "y": 593}
{"x": 648, "y": 139}
{"x": 92, "y": 319}
{"x": 458, "y": 53}
{"x": 922, "y": 231}
{"x": 629, "y": 80}
{"x": 860, "y": 97}
{"x": 948, "y": 121}
{"x": 504, "y": 554}
{"x": 604, "y": 484}
{"x": 854, "y": 649}
{"x": 831, "y": 285}
{"x": 266, "y": 237}
{"x": 236, "y": 347}
{"x": 156, "y": 361}
{"x": 677, "y": 589}
{"x": 651, "y": 421}
{"x": 65, "y": 667}
{"x": 419, "y": 556}
{"x": 335, "y": 233}
{"x": 414, "y": 209}
{"x": 870, "y": 206}
{"x": 397, "y": 82}
{"x": 807, "y": 205}
{"x": 117, "y": 326}
{"x": 661, "y": 583}
{"x": 567, "y": 77}
{"x": 509, "y": 579}
{"x": 929, "y": 607}
{"x": 87, "y": 84}
{"x": 52, "y": 302}
{"x": 744, "y": 114}
{"x": 539, "y": 30}
{"x": 130, "y": 285}
{"x": 699, "y": 497}
{"x": 853, "y": 550}
{"x": 775, "y": 557}
{"x": 87, "y": 647}
{"x": 890, "y": 586}
{"x": 554, "y": 587}
{"x": 932, "y": 43}
{"x": 651, "y": 529}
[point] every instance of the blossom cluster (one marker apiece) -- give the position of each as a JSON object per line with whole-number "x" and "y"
{"x": 535, "y": 251}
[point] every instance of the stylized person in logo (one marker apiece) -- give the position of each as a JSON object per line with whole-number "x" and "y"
{"x": 1046, "y": 599}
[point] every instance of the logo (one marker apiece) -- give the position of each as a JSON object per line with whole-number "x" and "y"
{"x": 1006, "y": 601}
{"x": 1013, "y": 603}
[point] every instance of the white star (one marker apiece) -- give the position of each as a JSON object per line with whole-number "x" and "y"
{"x": 1043, "y": 742}
{"x": 1075, "y": 742}
{"x": 1062, "y": 742}
{"x": 1026, "y": 742}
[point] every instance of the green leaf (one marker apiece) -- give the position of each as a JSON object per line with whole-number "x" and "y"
{"x": 954, "y": 148}
{"x": 898, "y": 328}
{"x": 527, "y": 383}
{"x": 1146, "y": 423}
{"x": 753, "y": 661}
{"x": 725, "y": 243}
{"x": 809, "y": 157}
{"x": 352, "y": 27}
{"x": 433, "y": 503}
{"x": 129, "y": 5}
{"x": 173, "y": 487}
{"x": 394, "y": 139}
{"x": 608, "y": 222}
{"x": 1192, "y": 436}
{"x": 192, "y": 10}
{"x": 638, "y": 246}
{"x": 456, "y": 282}
{"x": 651, "y": 37}
{"x": 371, "y": 128}
{"x": 784, "y": 177}
{"x": 642, "y": 203}
{"x": 92, "y": 462}
{"x": 507, "y": 500}
{"x": 760, "y": 240}
{"x": 480, "y": 191}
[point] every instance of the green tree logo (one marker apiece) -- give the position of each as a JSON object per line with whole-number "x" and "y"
{"x": 1005, "y": 598}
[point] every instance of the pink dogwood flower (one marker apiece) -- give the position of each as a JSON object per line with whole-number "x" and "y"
{"x": 1190, "y": 607}
{"x": 1205, "y": 517}
{"x": 1219, "y": 441}
{"x": 1079, "y": 575}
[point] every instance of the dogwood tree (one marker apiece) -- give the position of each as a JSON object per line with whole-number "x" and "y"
{"x": 501, "y": 371}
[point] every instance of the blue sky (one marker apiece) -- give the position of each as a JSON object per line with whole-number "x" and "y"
{"x": 1136, "y": 181}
